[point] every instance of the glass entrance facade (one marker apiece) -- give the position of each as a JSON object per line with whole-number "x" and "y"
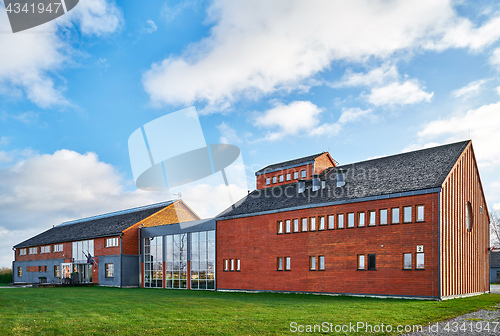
{"x": 176, "y": 257}
{"x": 153, "y": 262}
{"x": 203, "y": 260}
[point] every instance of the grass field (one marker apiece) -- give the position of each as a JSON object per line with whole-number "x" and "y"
{"x": 114, "y": 311}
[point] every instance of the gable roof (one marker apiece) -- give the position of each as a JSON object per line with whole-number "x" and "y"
{"x": 406, "y": 173}
{"x": 93, "y": 227}
{"x": 288, "y": 164}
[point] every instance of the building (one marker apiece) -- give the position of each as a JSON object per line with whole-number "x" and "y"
{"x": 409, "y": 225}
{"x": 494, "y": 267}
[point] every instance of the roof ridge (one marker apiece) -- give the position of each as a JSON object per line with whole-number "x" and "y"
{"x": 292, "y": 160}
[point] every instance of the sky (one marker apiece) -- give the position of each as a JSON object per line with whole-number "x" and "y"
{"x": 279, "y": 79}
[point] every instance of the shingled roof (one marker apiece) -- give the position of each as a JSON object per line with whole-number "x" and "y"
{"x": 401, "y": 174}
{"x": 93, "y": 227}
{"x": 287, "y": 164}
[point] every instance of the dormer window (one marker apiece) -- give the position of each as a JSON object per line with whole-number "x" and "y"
{"x": 268, "y": 180}
{"x": 341, "y": 177}
{"x": 316, "y": 183}
{"x": 301, "y": 186}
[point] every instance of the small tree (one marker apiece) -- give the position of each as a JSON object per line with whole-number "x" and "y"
{"x": 494, "y": 230}
{"x": 5, "y": 275}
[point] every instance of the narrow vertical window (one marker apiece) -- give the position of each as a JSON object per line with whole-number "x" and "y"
{"x": 312, "y": 263}
{"x": 232, "y": 264}
{"x": 313, "y": 223}
{"x": 268, "y": 181}
{"x": 372, "y": 262}
{"x": 383, "y": 216}
{"x": 372, "y": 218}
{"x": 420, "y": 261}
{"x": 274, "y": 179}
{"x": 288, "y": 264}
{"x": 395, "y": 215}
{"x": 361, "y": 261}
{"x": 295, "y": 175}
{"x": 361, "y": 219}
{"x": 281, "y": 178}
{"x": 331, "y": 222}
{"x": 303, "y": 174}
{"x": 468, "y": 216}
{"x": 420, "y": 213}
{"x": 322, "y": 222}
{"x": 238, "y": 265}
{"x": 296, "y": 225}
{"x": 288, "y": 226}
{"x": 288, "y": 177}
{"x": 304, "y": 224}
{"x": 407, "y": 214}
{"x": 57, "y": 271}
{"x": 19, "y": 271}
{"x": 226, "y": 265}
{"x": 279, "y": 263}
{"x": 350, "y": 219}
{"x": 407, "y": 261}
{"x": 321, "y": 263}
{"x": 340, "y": 221}
{"x": 280, "y": 227}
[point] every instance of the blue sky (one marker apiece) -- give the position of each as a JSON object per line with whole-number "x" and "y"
{"x": 279, "y": 79}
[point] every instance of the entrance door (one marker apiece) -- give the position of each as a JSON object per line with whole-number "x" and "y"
{"x": 84, "y": 272}
{"x": 66, "y": 272}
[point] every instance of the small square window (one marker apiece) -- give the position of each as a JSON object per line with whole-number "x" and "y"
{"x": 420, "y": 213}
{"x": 110, "y": 270}
{"x": 280, "y": 227}
{"x": 350, "y": 219}
{"x": 288, "y": 264}
{"x": 304, "y": 224}
{"x": 383, "y": 216}
{"x": 281, "y": 178}
{"x": 313, "y": 223}
{"x": 296, "y": 225}
{"x": 407, "y": 261}
{"x": 321, "y": 222}
{"x": 268, "y": 180}
{"x": 312, "y": 263}
{"x": 372, "y": 215}
{"x": 274, "y": 179}
{"x": 279, "y": 263}
{"x": 340, "y": 221}
{"x": 288, "y": 176}
{"x": 321, "y": 263}
{"x": 395, "y": 215}
{"x": 420, "y": 261}
{"x": 361, "y": 261}
{"x": 295, "y": 175}
{"x": 288, "y": 226}
{"x": 407, "y": 214}
{"x": 361, "y": 219}
{"x": 331, "y": 222}
{"x": 303, "y": 174}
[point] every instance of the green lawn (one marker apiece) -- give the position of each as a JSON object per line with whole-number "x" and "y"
{"x": 114, "y": 311}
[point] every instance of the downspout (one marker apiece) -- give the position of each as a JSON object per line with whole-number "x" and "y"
{"x": 121, "y": 260}
{"x": 439, "y": 245}
{"x": 140, "y": 254}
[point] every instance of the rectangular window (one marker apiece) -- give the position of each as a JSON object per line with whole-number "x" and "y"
{"x": 420, "y": 213}
{"x": 19, "y": 271}
{"x": 313, "y": 223}
{"x": 110, "y": 270}
{"x": 395, "y": 215}
{"x": 295, "y": 175}
{"x": 281, "y": 178}
{"x": 361, "y": 219}
{"x": 340, "y": 221}
{"x": 111, "y": 242}
{"x": 372, "y": 218}
{"x": 407, "y": 261}
{"x": 288, "y": 264}
{"x": 350, "y": 219}
{"x": 331, "y": 222}
{"x": 33, "y": 250}
{"x": 274, "y": 179}
{"x": 42, "y": 268}
{"x": 312, "y": 263}
{"x": 58, "y": 248}
{"x": 268, "y": 180}
{"x": 420, "y": 261}
{"x": 288, "y": 226}
{"x": 238, "y": 264}
{"x": 22, "y": 251}
{"x": 361, "y": 261}
{"x": 407, "y": 214}
{"x": 303, "y": 174}
{"x": 296, "y": 225}
{"x": 57, "y": 271}
{"x": 288, "y": 176}
{"x": 232, "y": 265}
{"x": 304, "y": 224}
{"x": 280, "y": 227}
{"x": 372, "y": 262}
{"x": 226, "y": 265}
{"x": 280, "y": 264}
{"x": 45, "y": 249}
{"x": 321, "y": 263}
{"x": 383, "y": 216}
{"x": 322, "y": 222}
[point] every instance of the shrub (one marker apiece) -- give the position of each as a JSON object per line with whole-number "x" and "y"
{"x": 5, "y": 275}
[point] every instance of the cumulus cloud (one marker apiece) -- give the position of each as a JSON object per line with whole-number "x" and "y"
{"x": 495, "y": 58}
{"x": 151, "y": 27}
{"x": 258, "y": 47}
{"x": 471, "y": 89}
{"x": 408, "y": 92}
{"x": 30, "y": 58}
{"x": 375, "y": 77}
{"x": 228, "y": 135}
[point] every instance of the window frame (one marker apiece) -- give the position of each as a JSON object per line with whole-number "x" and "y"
{"x": 19, "y": 271}
{"x": 296, "y": 225}
{"x": 321, "y": 224}
{"x": 231, "y": 265}
{"x": 109, "y": 270}
{"x": 45, "y": 249}
{"x": 416, "y": 261}
{"x": 288, "y": 176}
{"x": 312, "y": 223}
{"x": 279, "y": 227}
{"x": 411, "y": 261}
{"x": 295, "y": 175}
{"x": 57, "y": 271}
{"x": 395, "y": 219}
{"x": 331, "y": 222}
{"x": 275, "y": 179}
{"x": 409, "y": 207}
{"x": 469, "y": 216}
{"x": 417, "y": 214}
{"x": 279, "y": 263}
{"x": 268, "y": 180}
{"x": 226, "y": 265}
{"x": 303, "y": 174}
{"x": 351, "y": 220}
{"x": 361, "y": 262}
{"x": 384, "y": 217}
{"x": 112, "y": 242}
{"x": 58, "y": 248}
{"x": 372, "y": 266}
{"x": 305, "y": 224}
{"x": 321, "y": 263}
{"x": 340, "y": 223}
{"x": 22, "y": 251}
{"x": 33, "y": 250}
{"x": 361, "y": 223}
{"x": 370, "y": 213}
{"x": 288, "y": 263}
{"x": 288, "y": 226}
{"x": 238, "y": 265}
{"x": 312, "y": 263}
{"x": 281, "y": 178}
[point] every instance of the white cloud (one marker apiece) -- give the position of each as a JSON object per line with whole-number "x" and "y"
{"x": 495, "y": 58}
{"x": 228, "y": 135}
{"x": 258, "y": 47}
{"x": 30, "y": 58}
{"x": 408, "y": 92}
{"x": 151, "y": 27}
{"x": 471, "y": 89}
{"x": 376, "y": 76}
{"x": 4, "y": 140}
{"x": 496, "y": 206}
{"x": 498, "y": 90}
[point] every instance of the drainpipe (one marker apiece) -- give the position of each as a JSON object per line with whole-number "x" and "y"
{"x": 121, "y": 260}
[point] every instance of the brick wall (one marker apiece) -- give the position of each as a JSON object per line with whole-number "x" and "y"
{"x": 254, "y": 240}
{"x": 322, "y": 162}
{"x": 66, "y": 253}
{"x": 261, "y": 179}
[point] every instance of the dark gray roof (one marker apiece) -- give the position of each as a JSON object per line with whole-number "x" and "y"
{"x": 408, "y": 172}
{"x": 99, "y": 226}
{"x": 494, "y": 259}
{"x": 290, "y": 163}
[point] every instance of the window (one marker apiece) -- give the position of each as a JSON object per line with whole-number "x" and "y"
{"x": 304, "y": 224}
{"x": 331, "y": 222}
{"x": 22, "y": 251}
{"x": 80, "y": 250}
{"x": 312, "y": 263}
{"x": 468, "y": 216}
{"x": 361, "y": 261}
{"x": 288, "y": 176}
{"x": 274, "y": 179}
{"x": 295, "y": 175}
{"x": 372, "y": 262}
{"x": 232, "y": 265}
{"x": 33, "y": 250}
{"x": 383, "y": 216}
{"x": 238, "y": 264}
{"x": 281, "y": 178}
{"x": 407, "y": 214}
{"x": 395, "y": 215}
{"x": 313, "y": 223}
{"x": 322, "y": 222}
{"x": 110, "y": 270}
{"x": 407, "y": 261}
{"x": 420, "y": 261}
{"x": 372, "y": 218}
{"x": 288, "y": 265}
{"x": 350, "y": 219}
{"x": 296, "y": 225}
{"x": 361, "y": 219}
{"x": 268, "y": 180}
{"x": 202, "y": 261}
{"x": 288, "y": 226}
{"x": 42, "y": 268}
{"x": 480, "y": 209}
{"x": 45, "y": 249}
{"x": 280, "y": 227}
{"x": 111, "y": 242}
{"x": 280, "y": 264}
{"x": 226, "y": 265}
{"x": 340, "y": 221}
{"x": 19, "y": 271}
{"x": 58, "y": 248}
{"x": 303, "y": 174}
{"x": 57, "y": 271}
{"x": 321, "y": 263}
{"x": 420, "y": 213}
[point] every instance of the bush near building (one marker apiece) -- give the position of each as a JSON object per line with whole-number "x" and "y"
{"x": 5, "y": 275}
